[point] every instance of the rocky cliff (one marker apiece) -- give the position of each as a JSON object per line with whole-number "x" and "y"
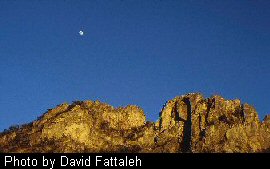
{"x": 188, "y": 123}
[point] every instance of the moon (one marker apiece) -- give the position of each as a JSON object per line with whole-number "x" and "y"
{"x": 81, "y": 33}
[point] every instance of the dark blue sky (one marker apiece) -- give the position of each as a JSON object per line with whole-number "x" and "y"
{"x": 139, "y": 52}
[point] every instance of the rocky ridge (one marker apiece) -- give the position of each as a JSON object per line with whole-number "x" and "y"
{"x": 187, "y": 123}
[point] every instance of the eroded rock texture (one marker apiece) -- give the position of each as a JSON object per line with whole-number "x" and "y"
{"x": 188, "y": 123}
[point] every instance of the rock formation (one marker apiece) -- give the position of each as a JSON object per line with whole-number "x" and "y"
{"x": 188, "y": 123}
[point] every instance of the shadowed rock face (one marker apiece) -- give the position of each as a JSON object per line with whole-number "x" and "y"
{"x": 188, "y": 123}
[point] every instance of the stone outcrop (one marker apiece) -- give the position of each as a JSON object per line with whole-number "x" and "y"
{"x": 187, "y": 123}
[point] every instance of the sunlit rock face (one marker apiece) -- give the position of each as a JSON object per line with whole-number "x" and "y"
{"x": 187, "y": 123}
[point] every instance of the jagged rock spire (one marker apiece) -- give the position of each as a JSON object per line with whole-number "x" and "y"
{"x": 187, "y": 123}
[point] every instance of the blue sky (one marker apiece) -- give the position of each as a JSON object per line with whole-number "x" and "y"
{"x": 139, "y": 52}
